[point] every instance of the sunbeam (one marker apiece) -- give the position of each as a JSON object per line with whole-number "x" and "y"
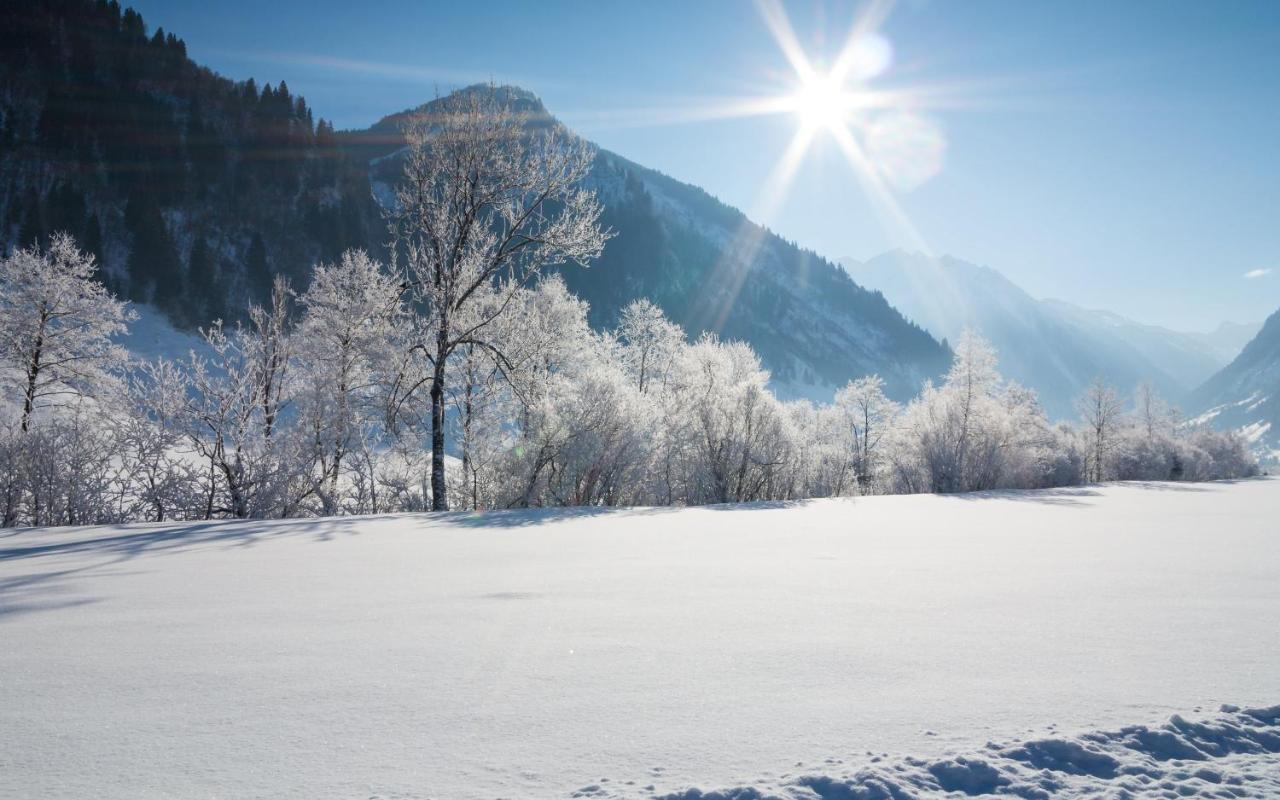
{"x": 731, "y": 269}
{"x": 886, "y": 144}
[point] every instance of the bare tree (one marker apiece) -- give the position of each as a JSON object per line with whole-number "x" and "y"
{"x": 487, "y": 201}
{"x": 1102, "y": 412}
{"x": 1154, "y": 414}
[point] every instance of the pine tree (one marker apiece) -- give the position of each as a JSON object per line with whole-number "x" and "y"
{"x": 257, "y": 270}
{"x": 202, "y": 284}
{"x": 155, "y": 273}
{"x": 33, "y": 230}
{"x": 93, "y": 238}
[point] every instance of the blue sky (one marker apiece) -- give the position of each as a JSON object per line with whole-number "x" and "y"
{"x": 1116, "y": 155}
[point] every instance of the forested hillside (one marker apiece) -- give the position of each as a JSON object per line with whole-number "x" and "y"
{"x": 191, "y": 189}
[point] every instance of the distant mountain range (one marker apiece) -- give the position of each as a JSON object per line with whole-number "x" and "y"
{"x": 1245, "y": 394}
{"x": 1048, "y": 345}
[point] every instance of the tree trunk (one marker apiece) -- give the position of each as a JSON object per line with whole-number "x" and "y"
{"x": 439, "y": 498}
{"x": 33, "y": 376}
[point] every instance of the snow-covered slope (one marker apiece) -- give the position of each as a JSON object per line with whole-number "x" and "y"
{"x": 712, "y": 269}
{"x": 1051, "y": 346}
{"x": 153, "y": 336}
{"x": 655, "y": 652}
{"x": 1245, "y": 395}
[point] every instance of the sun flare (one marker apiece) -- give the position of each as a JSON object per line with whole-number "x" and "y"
{"x": 821, "y": 102}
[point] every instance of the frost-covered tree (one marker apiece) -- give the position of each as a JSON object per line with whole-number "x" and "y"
{"x": 650, "y": 343}
{"x": 69, "y": 469}
{"x": 863, "y": 416}
{"x": 278, "y": 420}
{"x": 1102, "y": 413}
{"x": 221, "y": 423}
{"x": 269, "y": 346}
{"x": 56, "y": 328}
{"x": 738, "y": 432}
{"x": 487, "y": 200}
{"x": 352, "y": 322}
{"x": 158, "y": 476}
{"x": 973, "y": 432}
{"x": 232, "y": 411}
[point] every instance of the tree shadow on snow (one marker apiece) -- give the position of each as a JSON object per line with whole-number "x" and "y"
{"x": 529, "y": 517}
{"x": 111, "y": 545}
{"x": 1063, "y": 496}
{"x": 129, "y": 541}
{"x": 532, "y": 517}
{"x": 1072, "y": 495}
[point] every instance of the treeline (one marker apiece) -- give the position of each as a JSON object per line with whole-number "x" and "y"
{"x": 168, "y": 173}
{"x": 312, "y": 408}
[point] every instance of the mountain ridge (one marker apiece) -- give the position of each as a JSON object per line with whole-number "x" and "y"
{"x": 1245, "y": 394}
{"x": 679, "y": 246}
{"x": 1050, "y": 345}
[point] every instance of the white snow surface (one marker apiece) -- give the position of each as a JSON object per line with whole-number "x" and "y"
{"x": 867, "y": 648}
{"x": 153, "y": 336}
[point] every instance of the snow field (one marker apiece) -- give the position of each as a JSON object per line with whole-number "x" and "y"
{"x": 655, "y": 652}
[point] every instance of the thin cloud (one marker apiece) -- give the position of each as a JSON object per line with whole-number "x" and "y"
{"x": 1258, "y": 273}
{"x": 426, "y": 75}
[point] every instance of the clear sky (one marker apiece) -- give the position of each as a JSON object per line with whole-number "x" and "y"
{"x": 1120, "y": 155}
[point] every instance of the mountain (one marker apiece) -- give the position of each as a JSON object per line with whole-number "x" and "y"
{"x": 191, "y": 189}
{"x": 1187, "y": 358}
{"x": 194, "y": 191}
{"x": 711, "y": 269}
{"x": 1229, "y": 338}
{"x": 1245, "y": 394}
{"x": 1051, "y": 346}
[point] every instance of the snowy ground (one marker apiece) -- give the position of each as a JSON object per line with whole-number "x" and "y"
{"x": 777, "y": 649}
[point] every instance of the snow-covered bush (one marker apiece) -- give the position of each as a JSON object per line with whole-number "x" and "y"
{"x": 973, "y": 432}
{"x": 737, "y": 434}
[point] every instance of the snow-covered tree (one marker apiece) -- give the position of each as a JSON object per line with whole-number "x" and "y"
{"x": 650, "y": 343}
{"x": 232, "y": 412}
{"x": 269, "y": 348}
{"x": 352, "y": 321}
{"x": 1154, "y": 414}
{"x": 973, "y": 432}
{"x": 56, "y": 328}
{"x": 487, "y": 200}
{"x": 157, "y": 473}
{"x": 863, "y": 416}
{"x": 1102, "y": 413}
{"x": 738, "y": 433}
{"x": 326, "y": 417}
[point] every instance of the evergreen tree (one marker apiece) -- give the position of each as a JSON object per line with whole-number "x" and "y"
{"x": 155, "y": 272}
{"x": 204, "y": 288}
{"x": 257, "y": 270}
{"x": 33, "y": 229}
{"x": 93, "y": 238}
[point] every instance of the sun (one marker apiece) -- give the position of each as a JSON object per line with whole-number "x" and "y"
{"x": 821, "y": 102}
